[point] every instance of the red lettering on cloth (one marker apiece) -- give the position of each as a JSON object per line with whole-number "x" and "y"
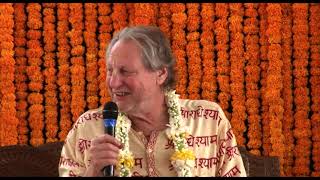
{"x": 221, "y": 152}
{"x": 219, "y": 121}
{"x": 229, "y": 134}
{"x": 211, "y": 113}
{"x": 231, "y": 151}
{"x": 68, "y": 162}
{"x": 138, "y": 162}
{"x": 72, "y": 174}
{"x": 83, "y": 144}
{"x": 200, "y": 112}
{"x": 87, "y": 117}
{"x": 206, "y": 162}
{"x": 171, "y": 167}
{"x": 97, "y": 116}
{"x": 232, "y": 172}
{"x": 198, "y": 140}
{"x": 136, "y": 174}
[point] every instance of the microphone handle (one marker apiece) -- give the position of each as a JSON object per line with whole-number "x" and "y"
{"x": 109, "y": 170}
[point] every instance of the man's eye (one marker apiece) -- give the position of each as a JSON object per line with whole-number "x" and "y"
{"x": 109, "y": 71}
{"x": 125, "y": 72}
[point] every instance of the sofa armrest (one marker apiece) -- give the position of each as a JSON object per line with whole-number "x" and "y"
{"x": 24, "y": 160}
{"x": 260, "y": 166}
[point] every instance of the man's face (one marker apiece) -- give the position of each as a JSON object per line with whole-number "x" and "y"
{"x": 130, "y": 84}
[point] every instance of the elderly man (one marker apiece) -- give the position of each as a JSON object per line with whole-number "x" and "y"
{"x": 157, "y": 134}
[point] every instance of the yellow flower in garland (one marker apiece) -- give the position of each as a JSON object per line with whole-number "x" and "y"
{"x": 125, "y": 157}
{"x": 125, "y": 163}
{"x": 184, "y": 154}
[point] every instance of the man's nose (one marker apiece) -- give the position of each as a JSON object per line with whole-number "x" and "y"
{"x": 115, "y": 80}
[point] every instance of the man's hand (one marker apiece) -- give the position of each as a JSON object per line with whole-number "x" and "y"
{"x": 103, "y": 151}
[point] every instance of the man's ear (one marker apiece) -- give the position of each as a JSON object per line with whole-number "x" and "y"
{"x": 162, "y": 75}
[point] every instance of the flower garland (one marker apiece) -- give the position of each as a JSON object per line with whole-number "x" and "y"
{"x": 131, "y": 13}
{"x": 209, "y": 79}
{"x": 119, "y": 16}
{"x": 9, "y": 123}
{"x": 77, "y": 68}
{"x": 263, "y": 41}
{"x": 315, "y": 85}
{"x": 178, "y": 36}
{"x": 50, "y": 94}
{"x": 237, "y": 63}
{"x": 193, "y": 51}
{"x": 183, "y": 160}
{"x": 164, "y": 20}
{"x": 104, "y": 37}
{"x": 252, "y": 78}
{"x": 34, "y": 53}
{"x": 274, "y": 82}
{"x": 20, "y": 19}
{"x": 223, "y": 64}
{"x": 302, "y": 129}
{"x": 91, "y": 54}
{"x": 143, "y": 13}
{"x": 63, "y": 75}
{"x": 287, "y": 88}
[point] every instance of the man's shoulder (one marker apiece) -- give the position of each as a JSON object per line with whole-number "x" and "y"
{"x": 89, "y": 117}
{"x": 97, "y": 111}
{"x": 195, "y": 104}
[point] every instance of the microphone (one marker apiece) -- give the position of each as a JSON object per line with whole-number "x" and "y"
{"x": 110, "y": 115}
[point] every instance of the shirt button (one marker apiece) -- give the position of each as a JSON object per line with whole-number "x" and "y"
{"x": 150, "y": 169}
{"x": 150, "y": 150}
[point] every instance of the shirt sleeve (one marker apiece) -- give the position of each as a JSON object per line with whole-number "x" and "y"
{"x": 231, "y": 164}
{"x": 71, "y": 162}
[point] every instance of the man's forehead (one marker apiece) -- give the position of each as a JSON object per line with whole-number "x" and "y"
{"x": 116, "y": 56}
{"x": 119, "y": 61}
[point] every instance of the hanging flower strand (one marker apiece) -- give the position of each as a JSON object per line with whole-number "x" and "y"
{"x": 89, "y": 34}
{"x": 77, "y": 68}
{"x": 287, "y": 88}
{"x": 20, "y": 40}
{"x": 315, "y": 85}
{"x": 143, "y": 14}
{"x": 164, "y": 20}
{"x": 223, "y": 64}
{"x": 49, "y": 34}
{"x": 104, "y": 37}
{"x": 63, "y": 55}
{"x": 8, "y": 120}
{"x": 252, "y": 77}
{"x": 274, "y": 82}
{"x": 119, "y": 16}
{"x": 209, "y": 79}
{"x": 34, "y": 54}
{"x": 178, "y": 44}
{"x": 263, "y": 41}
{"x": 237, "y": 61}
{"x": 193, "y": 51}
{"x": 302, "y": 124}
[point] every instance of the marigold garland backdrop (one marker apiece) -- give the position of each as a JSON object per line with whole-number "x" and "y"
{"x": 259, "y": 61}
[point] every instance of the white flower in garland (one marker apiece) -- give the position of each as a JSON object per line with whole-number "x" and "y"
{"x": 125, "y": 159}
{"x": 182, "y": 159}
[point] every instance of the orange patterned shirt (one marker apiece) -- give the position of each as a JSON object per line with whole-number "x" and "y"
{"x": 211, "y": 139}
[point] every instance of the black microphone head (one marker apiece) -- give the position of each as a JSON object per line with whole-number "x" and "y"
{"x": 110, "y": 110}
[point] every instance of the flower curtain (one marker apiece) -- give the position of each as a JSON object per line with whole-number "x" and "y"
{"x": 259, "y": 61}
